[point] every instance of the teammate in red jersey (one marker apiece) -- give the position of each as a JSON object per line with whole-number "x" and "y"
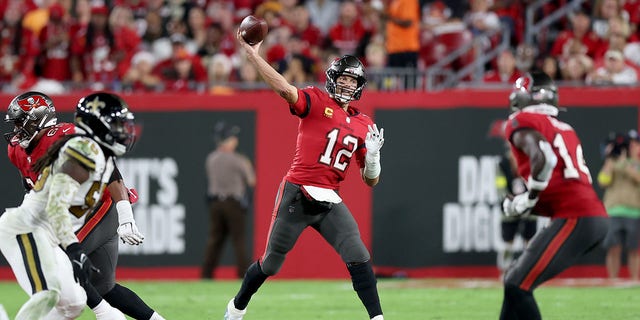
{"x": 35, "y": 131}
{"x": 330, "y": 134}
{"x": 549, "y": 155}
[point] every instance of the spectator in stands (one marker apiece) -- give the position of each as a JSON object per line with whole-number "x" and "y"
{"x": 156, "y": 37}
{"x": 139, "y": 77}
{"x": 347, "y": 33}
{"x": 632, "y": 8}
{"x": 197, "y": 26}
{"x": 270, "y": 12}
{"x": 183, "y": 71}
{"x": 575, "y": 69}
{"x": 616, "y": 39}
{"x": 603, "y": 11}
{"x": 298, "y": 71}
{"x": 18, "y": 50}
{"x": 217, "y": 41}
{"x": 580, "y": 34}
{"x": 220, "y": 68}
{"x": 323, "y": 14}
{"x": 287, "y": 10}
{"x": 126, "y": 39}
{"x": 511, "y": 14}
{"x": 614, "y": 71}
{"x": 525, "y": 57}
{"x": 480, "y": 19}
{"x": 549, "y": 65}
{"x": 506, "y": 71}
{"x": 376, "y": 61}
{"x": 139, "y": 9}
{"x": 307, "y": 32}
{"x": 54, "y": 41}
{"x": 81, "y": 14}
{"x": 248, "y": 76}
{"x": 101, "y": 51}
{"x": 402, "y": 33}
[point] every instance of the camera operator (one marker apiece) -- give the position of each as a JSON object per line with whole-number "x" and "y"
{"x": 620, "y": 177}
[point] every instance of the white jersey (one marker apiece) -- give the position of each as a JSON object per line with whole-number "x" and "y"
{"x": 32, "y": 213}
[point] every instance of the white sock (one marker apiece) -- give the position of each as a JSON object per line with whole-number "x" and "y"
{"x": 378, "y": 317}
{"x": 102, "y": 307}
{"x": 232, "y": 308}
{"x": 156, "y": 316}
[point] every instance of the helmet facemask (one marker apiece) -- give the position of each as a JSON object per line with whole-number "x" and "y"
{"x": 348, "y": 66}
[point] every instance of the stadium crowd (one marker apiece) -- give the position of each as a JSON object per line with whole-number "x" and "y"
{"x": 57, "y": 46}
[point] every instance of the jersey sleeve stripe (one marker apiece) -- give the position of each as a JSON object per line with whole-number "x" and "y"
{"x": 73, "y": 153}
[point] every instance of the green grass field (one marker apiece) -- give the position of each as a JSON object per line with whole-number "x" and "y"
{"x": 401, "y": 300}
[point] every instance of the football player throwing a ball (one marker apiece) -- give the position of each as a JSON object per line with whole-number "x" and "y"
{"x": 331, "y": 134}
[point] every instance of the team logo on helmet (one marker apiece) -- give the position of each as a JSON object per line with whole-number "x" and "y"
{"x": 95, "y": 105}
{"x": 523, "y": 84}
{"x": 32, "y": 102}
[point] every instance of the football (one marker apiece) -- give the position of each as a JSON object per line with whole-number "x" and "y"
{"x": 253, "y": 30}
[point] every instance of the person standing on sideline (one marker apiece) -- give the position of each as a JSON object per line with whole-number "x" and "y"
{"x": 331, "y": 133}
{"x": 229, "y": 175}
{"x": 549, "y": 155}
{"x": 620, "y": 178}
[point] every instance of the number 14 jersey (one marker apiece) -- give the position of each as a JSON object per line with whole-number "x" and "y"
{"x": 570, "y": 192}
{"x": 328, "y": 138}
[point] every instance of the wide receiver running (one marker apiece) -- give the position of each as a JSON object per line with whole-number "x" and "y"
{"x": 549, "y": 155}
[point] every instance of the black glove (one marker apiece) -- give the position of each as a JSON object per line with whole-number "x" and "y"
{"x": 82, "y": 266}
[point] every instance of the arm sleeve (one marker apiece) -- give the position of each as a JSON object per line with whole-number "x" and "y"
{"x": 61, "y": 192}
{"x": 303, "y": 105}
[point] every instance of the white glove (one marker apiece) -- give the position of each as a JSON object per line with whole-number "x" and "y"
{"x": 519, "y": 205}
{"x": 129, "y": 234}
{"x": 128, "y": 231}
{"x": 374, "y": 140}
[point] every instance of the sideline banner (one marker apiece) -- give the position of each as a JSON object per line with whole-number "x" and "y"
{"x": 434, "y": 207}
{"x": 437, "y": 203}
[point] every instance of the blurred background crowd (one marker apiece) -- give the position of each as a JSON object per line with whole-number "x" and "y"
{"x": 58, "y": 46}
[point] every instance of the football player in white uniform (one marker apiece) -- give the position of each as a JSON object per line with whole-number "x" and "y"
{"x": 38, "y": 238}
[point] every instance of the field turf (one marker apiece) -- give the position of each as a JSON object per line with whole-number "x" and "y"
{"x": 401, "y": 299}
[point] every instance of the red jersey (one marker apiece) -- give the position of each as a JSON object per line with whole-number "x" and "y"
{"x": 328, "y": 138}
{"x": 570, "y": 192}
{"x": 23, "y": 158}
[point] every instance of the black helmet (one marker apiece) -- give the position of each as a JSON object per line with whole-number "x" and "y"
{"x": 106, "y": 118}
{"x": 533, "y": 88}
{"x": 29, "y": 113}
{"x": 347, "y": 65}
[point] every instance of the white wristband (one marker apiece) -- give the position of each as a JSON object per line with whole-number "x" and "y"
{"x": 534, "y": 184}
{"x": 372, "y": 166}
{"x": 125, "y": 213}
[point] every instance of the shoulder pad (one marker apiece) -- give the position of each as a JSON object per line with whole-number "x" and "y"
{"x": 83, "y": 149}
